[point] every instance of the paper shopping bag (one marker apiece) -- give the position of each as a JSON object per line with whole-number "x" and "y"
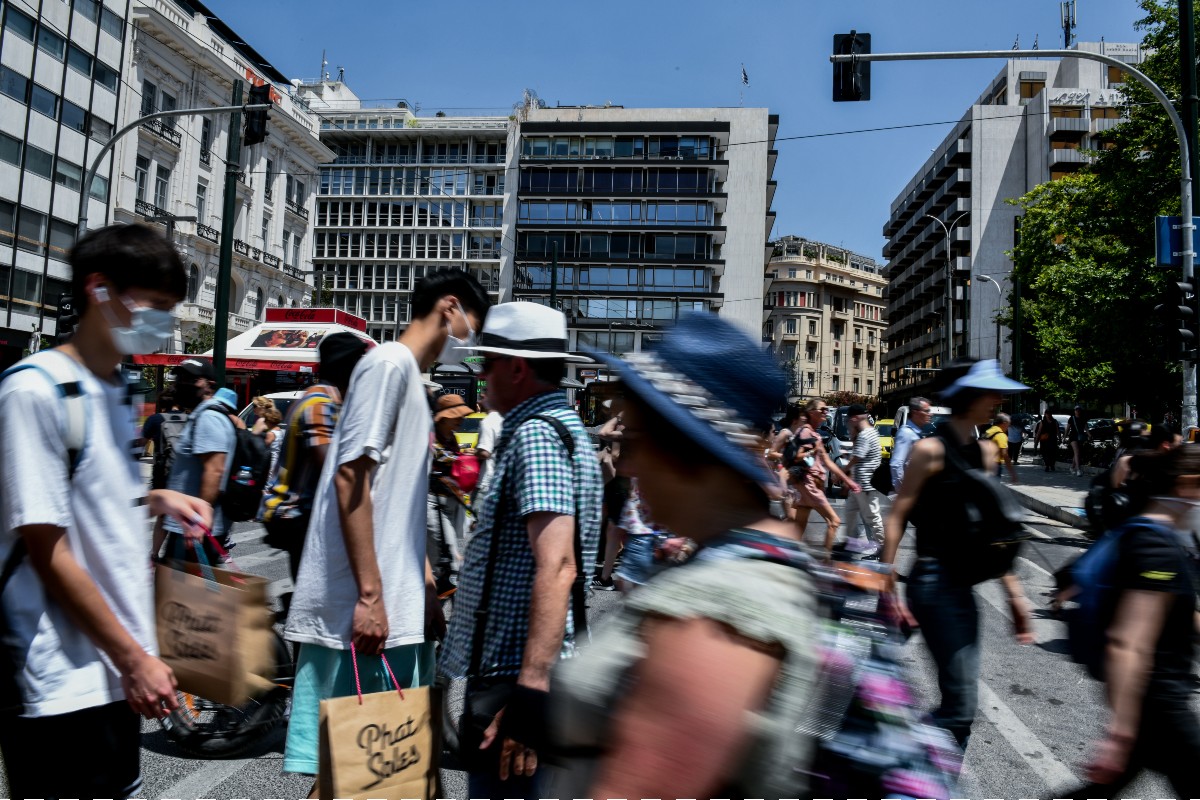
{"x": 214, "y": 631}
{"x": 379, "y": 746}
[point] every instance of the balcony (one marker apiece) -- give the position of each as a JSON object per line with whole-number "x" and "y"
{"x": 293, "y": 272}
{"x": 207, "y": 232}
{"x": 1100, "y": 125}
{"x": 206, "y": 157}
{"x": 486, "y": 253}
{"x": 164, "y": 131}
{"x": 149, "y": 210}
{"x": 1068, "y": 128}
{"x": 239, "y": 323}
{"x": 241, "y": 248}
{"x": 241, "y": 177}
{"x": 483, "y": 222}
{"x": 1067, "y": 159}
{"x": 271, "y": 261}
{"x": 268, "y": 195}
{"x": 256, "y": 254}
{"x": 489, "y": 159}
{"x": 297, "y": 209}
{"x": 195, "y": 312}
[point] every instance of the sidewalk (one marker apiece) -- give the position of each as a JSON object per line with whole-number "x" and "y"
{"x": 1058, "y": 495}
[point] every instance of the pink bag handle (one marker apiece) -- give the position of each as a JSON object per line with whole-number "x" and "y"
{"x": 386, "y": 666}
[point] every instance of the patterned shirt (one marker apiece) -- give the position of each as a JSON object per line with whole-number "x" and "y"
{"x": 867, "y": 456}
{"x": 309, "y": 425}
{"x": 532, "y": 475}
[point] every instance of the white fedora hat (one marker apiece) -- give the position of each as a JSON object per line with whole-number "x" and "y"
{"x": 526, "y": 330}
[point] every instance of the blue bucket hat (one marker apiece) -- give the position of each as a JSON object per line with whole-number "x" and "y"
{"x": 985, "y": 375}
{"x": 226, "y": 397}
{"x": 715, "y": 384}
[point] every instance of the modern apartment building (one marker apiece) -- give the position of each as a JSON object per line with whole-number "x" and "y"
{"x": 1033, "y": 123}
{"x": 823, "y": 313}
{"x": 650, "y": 212}
{"x": 181, "y": 55}
{"x": 61, "y": 97}
{"x": 403, "y": 196}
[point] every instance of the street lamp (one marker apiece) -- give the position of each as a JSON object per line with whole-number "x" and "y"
{"x": 999, "y": 302}
{"x": 949, "y": 284}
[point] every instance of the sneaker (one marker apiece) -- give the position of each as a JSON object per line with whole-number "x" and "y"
{"x": 601, "y": 585}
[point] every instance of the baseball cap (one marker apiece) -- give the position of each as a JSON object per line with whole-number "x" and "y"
{"x": 197, "y": 367}
{"x": 856, "y": 410}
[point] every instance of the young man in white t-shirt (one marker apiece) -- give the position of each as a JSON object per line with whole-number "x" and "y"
{"x": 364, "y": 580}
{"x": 79, "y": 646}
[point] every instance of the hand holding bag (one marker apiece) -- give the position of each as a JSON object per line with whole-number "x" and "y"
{"x": 379, "y": 745}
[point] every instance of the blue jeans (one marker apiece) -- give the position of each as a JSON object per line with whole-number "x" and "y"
{"x": 488, "y": 785}
{"x": 949, "y": 621}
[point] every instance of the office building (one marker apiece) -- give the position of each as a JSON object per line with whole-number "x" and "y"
{"x": 61, "y": 97}
{"x": 823, "y": 314}
{"x": 404, "y": 195}
{"x": 1034, "y": 123}
{"x": 650, "y": 213}
{"x": 173, "y": 170}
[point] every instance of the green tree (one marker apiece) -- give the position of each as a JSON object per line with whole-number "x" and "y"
{"x": 201, "y": 340}
{"x": 1085, "y": 258}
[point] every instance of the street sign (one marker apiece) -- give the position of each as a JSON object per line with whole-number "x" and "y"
{"x": 1168, "y": 241}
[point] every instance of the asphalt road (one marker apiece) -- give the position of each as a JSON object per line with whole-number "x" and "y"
{"x": 1038, "y": 712}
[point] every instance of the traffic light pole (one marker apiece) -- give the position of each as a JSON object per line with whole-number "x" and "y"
{"x": 1185, "y": 181}
{"x": 233, "y": 167}
{"x": 86, "y": 190}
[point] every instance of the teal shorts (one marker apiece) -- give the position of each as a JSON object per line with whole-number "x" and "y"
{"x": 322, "y": 673}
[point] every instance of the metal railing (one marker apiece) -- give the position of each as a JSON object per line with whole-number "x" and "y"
{"x": 206, "y": 157}
{"x": 256, "y": 254}
{"x": 296, "y": 209}
{"x": 483, "y": 253}
{"x": 241, "y": 247}
{"x": 293, "y": 271}
{"x": 164, "y": 130}
{"x": 271, "y": 261}
{"x": 240, "y": 323}
{"x": 149, "y": 209}
{"x": 208, "y": 232}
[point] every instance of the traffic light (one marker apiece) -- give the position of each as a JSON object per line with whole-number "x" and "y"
{"x": 66, "y": 319}
{"x": 1179, "y": 315}
{"x": 256, "y": 121}
{"x": 851, "y": 79}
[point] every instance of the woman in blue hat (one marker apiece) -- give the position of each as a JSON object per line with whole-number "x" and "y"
{"x": 659, "y": 704}
{"x": 932, "y": 497}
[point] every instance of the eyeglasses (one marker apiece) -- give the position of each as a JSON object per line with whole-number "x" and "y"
{"x": 488, "y": 363}
{"x": 824, "y": 410}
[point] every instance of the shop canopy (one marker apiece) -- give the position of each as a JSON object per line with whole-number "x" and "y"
{"x": 286, "y": 342}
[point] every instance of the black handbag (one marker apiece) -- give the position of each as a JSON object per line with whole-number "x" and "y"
{"x": 486, "y": 695}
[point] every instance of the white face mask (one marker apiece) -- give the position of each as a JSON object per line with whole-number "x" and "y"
{"x": 451, "y": 355}
{"x": 148, "y": 330}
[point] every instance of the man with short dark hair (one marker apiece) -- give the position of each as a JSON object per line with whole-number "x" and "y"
{"x": 545, "y": 493}
{"x": 78, "y": 649}
{"x": 865, "y": 458}
{"x": 364, "y": 581}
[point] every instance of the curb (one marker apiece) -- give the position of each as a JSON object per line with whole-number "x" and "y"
{"x": 1047, "y": 510}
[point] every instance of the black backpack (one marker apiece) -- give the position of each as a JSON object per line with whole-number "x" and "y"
{"x": 248, "y": 470}
{"x": 990, "y": 533}
{"x": 1106, "y": 507}
{"x": 173, "y": 425}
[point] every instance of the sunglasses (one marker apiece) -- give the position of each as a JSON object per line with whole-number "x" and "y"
{"x": 488, "y": 363}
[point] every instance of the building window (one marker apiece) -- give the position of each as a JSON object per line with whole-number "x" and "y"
{"x": 1066, "y": 112}
{"x": 31, "y": 232}
{"x": 266, "y": 229}
{"x": 149, "y": 98}
{"x": 67, "y": 174}
{"x": 205, "y": 140}
{"x": 44, "y": 101}
{"x": 1030, "y": 89}
{"x": 89, "y": 9}
{"x": 838, "y": 329}
{"x": 18, "y": 23}
{"x": 79, "y": 61}
{"x": 870, "y": 387}
{"x": 1116, "y": 76}
{"x": 837, "y": 358}
{"x": 62, "y": 238}
{"x": 162, "y": 181}
{"x": 39, "y": 162}
{"x": 259, "y": 304}
{"x": 789, "y": 326}
{"x": 856, "y": 386}
{"x": 140, "y": 172}
{"x": 100, "y": 130}
{"x": 810, "y": 352}
{"x": 193, "y": 288}
{"x": 812, "y": 327}
{"x": 10, "y": 149}
{"x": 167, "y": 102}
{"x": 112, "y": 24}
{"x": 870, "y": 337}
{"x": 50, "y": 42}
{"x": 201, "y": 204}
{"x": 106, "y": 76}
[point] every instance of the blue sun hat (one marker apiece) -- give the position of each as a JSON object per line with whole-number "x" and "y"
{"x": 984, "y": 375}
{"x": 227, "y": 398}
{"x": 715, "y": 384}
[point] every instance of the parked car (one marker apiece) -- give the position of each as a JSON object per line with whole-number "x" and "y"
{"x": 938, "y": 414}
{"x": 886, "y": 429}
{"x": 282, "y": 401}
{"x": 1102, "y": 429}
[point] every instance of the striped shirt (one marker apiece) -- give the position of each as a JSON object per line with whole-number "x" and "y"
{"x": 867, "y": 455}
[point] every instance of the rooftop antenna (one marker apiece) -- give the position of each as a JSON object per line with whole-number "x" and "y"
{"x": 1069, "y": 21}
{"x": 341, "y": 74}
{"x": 323, "y": 75}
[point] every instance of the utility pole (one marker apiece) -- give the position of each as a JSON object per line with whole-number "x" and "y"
{"x": 233, "y": 164}
{"x": 554, "y": 278}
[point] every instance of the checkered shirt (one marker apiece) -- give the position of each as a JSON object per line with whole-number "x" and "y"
{"x": 534, "y": 475}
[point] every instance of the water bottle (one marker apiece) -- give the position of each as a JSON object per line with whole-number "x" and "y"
{"x": 244, "y": 477}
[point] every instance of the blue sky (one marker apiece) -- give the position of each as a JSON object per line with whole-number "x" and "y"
{"x": 470, "y": 57}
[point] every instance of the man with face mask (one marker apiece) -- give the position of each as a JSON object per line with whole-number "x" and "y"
{"x": 364, "y": 579}
{"x": 78, "y": 653}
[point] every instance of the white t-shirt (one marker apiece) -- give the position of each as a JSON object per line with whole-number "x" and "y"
{"x": 385, "y": 417}
{"x": 489, "y": 435}
{"x": 106, "y": 530}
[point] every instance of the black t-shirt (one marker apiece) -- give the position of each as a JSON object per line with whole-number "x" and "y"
{"x": 1156, "y": 561}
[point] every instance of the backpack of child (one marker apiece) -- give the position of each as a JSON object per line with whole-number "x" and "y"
{"x": 1093, "y": 578}
{"x": 869, "y": 738}
{"x": 173, "y": 425}
{"x": 248, "y": 471}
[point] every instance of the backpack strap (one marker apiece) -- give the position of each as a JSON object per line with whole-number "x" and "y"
{"x": 62, "y": 373}
{"x": 292, "y": 436}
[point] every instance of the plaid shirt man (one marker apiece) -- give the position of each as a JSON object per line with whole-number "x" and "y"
{"x": 533, "y": 475}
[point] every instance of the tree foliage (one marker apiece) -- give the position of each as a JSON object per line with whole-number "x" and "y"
{"x": 1085, "y": 258}
{"x": 201, "y": 340}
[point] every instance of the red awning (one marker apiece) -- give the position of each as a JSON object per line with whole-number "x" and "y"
{"x": 170, "y": 360}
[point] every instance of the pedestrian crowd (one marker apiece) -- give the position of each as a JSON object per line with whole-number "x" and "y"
{"x": 741, "y": 659}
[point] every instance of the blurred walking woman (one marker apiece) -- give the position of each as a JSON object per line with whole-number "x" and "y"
{"x": 940, "y": 593}
{"x": 1148, "y": 666}
{"x": 811, "y": 477}
{"x": 695, "y": 686}
{"x": 1046, "y": 434}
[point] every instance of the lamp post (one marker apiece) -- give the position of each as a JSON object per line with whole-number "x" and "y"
{"x": 949, "y": 284}
{"x": 999, "y": 302}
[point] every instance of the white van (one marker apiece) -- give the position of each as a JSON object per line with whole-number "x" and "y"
{"x": 938, "y": 414}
